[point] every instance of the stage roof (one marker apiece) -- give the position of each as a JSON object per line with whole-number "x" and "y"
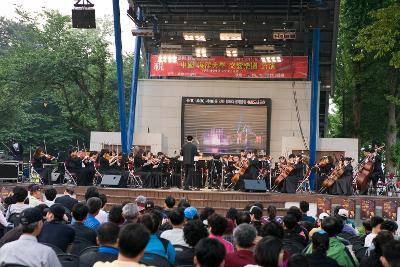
{"x": 256, "y": 20}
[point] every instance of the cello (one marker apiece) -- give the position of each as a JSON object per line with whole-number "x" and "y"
{"x": 243, "y": 167}
{"x": 334, "y": 175}
{"x": 286, "y": 171}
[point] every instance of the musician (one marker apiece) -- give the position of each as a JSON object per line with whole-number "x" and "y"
{"x": 252, "y": 170}
{"x": 377, "y": 173}
{"x": 88, "y": 168}
{"x": 16, "y": 149}
{"x": 344, "y": 185}
{"x": 324, "y": 168}
{"x": 291, "y": 182}
{"x": 139, "y": 162}
{"x": 39, "y": 158}
{"x": 189, "y": 151}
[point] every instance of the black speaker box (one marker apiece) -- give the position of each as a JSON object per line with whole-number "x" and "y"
{"x": 317, "y": 17}
{"x": 254, "y": 185}
{"x": 112, "y": 180}
{"x": 9, "y": 170}
{"x": 83, "y": 18}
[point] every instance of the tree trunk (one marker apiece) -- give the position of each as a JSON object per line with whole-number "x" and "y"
{"x": 391, "y": 134}
{"x": 356, "y": 118}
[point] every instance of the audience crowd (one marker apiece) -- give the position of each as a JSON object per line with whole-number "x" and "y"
{"x": 40, "y": 230}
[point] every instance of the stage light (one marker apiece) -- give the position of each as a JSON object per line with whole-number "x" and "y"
{"x": 271, "y": 58}
{"x": 200, "y": 52}
{"x": 230, "y": 36}
{"x": 167, "y": 58}
{"x": 194, "y": 36}
{"x": 231, "y": 52}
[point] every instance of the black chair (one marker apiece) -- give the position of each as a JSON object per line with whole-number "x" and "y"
{"x": 80, "y": 244}
{"x": 155, "y": 260}
{"x": 56, "y": 249}
{"x": 68, "y": 260}
{"x": 89, "y": 249}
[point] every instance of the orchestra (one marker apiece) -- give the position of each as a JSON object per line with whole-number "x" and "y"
{"x": 222, "y": 172}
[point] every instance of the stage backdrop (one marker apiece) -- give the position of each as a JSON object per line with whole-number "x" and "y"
{"x": 225, "y": 67}
{"x": 227, "y": 125}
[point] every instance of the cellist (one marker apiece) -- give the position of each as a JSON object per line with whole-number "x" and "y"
{"x": 344, "y": 184}
{"x": 291, "y": 182}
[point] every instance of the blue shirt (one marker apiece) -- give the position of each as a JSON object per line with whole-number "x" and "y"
{"x": 156, "y": 246}
{"x": 91, "y": 222}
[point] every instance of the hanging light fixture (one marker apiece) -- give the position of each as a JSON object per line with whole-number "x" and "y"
{"x": 271, "y": 58}
{"x": 200, "y": 52}
{"x": 194, "y": 36}
{"x": 231, "y": 52}
{"x": 230, "y": 36}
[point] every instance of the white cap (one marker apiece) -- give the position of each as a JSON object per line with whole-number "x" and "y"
{"x": 343, "y": 213}
{"x": 323, "y": 215}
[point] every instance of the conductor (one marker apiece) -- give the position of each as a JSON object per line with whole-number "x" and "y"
{"x": 189, "y": 150}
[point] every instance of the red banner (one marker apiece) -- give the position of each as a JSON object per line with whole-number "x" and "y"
{"x": 225, "y": 67}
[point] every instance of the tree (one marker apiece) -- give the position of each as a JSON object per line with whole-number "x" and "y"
{"x": 382, "y": 40}
{"x": 57, "y": 83}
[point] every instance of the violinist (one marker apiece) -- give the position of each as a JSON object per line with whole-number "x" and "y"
{"x": 104, "y": 161}
{"x": 140, "y": 162}
{"x": 88, "y": 170}
{"x": 324, "y": 168}
{"x": 39, "y": 158}
{"x": 291, "y": 182}
{"x": 344, "y": 185}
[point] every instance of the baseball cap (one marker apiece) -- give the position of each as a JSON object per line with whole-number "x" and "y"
{"x": 190, "y": 213}
{"x": 58, "y": 211}
{"x": 323, "y": 215}
{"x": 343, "y": 213}
{"x": 31, "y": 215}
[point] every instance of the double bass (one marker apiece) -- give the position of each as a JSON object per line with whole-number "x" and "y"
{"x": 365, "y": 170}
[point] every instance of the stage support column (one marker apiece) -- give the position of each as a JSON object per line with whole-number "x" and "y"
{"x": 134, "y": 83}
{"x": 314, "y": 102}
{"x": 148, "y": 64}
{"x": 120, "y": 77}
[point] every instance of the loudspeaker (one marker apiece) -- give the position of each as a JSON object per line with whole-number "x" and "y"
{"x": 9, "y": 170}
{"x": 317, "y": 17}
{"x": 254, "y": 185}
{"x": 83, "y": 18}
{"x": 113, "y": 180}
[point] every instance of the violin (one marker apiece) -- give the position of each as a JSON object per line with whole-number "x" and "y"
{"x": 47, "y": 156}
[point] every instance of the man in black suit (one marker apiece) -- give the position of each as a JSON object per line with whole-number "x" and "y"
{"x": 67, "y": 200}
{"x": 189, "y": 150}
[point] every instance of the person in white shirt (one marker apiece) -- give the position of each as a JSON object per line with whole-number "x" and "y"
{"x": 36, "y": 197}
{"x": 376, "y": 222}
{"x": 27, "y": 251}
{"x": 102, "y": 217}
{"x": 19, "y": 195}
{"x": 175, "y": 235}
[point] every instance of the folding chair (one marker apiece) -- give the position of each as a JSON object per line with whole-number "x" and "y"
{"x": 134, "y": 180}
{"x": 69, "y": 177}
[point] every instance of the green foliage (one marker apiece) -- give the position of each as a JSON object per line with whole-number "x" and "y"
{"x": 57, "y": 83}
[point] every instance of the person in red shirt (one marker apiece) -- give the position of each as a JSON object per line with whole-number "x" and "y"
{"x": 244, "y": 236}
